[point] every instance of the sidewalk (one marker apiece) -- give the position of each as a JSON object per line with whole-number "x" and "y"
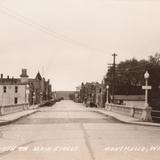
{"x": 9, "y": 118}
{"x": 123, "y": 118}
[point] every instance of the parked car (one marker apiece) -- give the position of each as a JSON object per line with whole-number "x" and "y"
{"x": 48, "y": 103}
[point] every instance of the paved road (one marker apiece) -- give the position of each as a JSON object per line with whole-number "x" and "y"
{"x": 68, "y": 131}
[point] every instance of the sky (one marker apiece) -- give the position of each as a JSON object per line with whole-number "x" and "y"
{"x": 72, "y": 41}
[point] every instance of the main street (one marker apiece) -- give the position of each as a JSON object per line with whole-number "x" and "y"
{"x": 69, "y": 131}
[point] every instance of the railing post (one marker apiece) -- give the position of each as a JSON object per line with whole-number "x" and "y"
{"x": 108, "y": 107}
{"x": 132, "y": 112}
{"x": 146, "y": 114}
{"x": 0, "y": 110}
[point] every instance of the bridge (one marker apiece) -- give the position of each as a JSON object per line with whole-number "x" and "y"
{"x": 69, "y": 131}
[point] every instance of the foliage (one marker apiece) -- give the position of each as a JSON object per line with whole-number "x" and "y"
{"x": 128, "y": 76}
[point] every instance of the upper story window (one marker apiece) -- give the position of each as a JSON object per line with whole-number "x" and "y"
{"x": 16, "y": 89}
{"x": 4, "y": 89}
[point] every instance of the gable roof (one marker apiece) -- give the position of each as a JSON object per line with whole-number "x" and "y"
{"x": 38, "y": 76}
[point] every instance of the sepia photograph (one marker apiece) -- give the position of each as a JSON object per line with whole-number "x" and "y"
{"x": 79, "y": 79}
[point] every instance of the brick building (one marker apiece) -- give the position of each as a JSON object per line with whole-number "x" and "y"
{"x": 40, "y": 89}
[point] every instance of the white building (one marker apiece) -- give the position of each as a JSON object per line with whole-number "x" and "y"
{"x": 14, "y": 93}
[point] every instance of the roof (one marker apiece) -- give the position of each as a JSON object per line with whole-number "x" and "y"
{"x": 38, "y": 76}
{"x": 10, "y": 81}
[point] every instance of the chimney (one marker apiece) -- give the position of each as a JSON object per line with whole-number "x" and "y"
{"x": 1, "y": 76}
{"x": 7, "y": 77}
{"x": 24, "y": 76}
{"x": 24, "y": 73}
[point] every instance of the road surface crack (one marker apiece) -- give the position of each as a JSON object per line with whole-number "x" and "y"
{"x": 87, "y": 141}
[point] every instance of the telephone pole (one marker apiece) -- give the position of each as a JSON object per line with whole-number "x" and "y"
{"x": 114, "y": 69}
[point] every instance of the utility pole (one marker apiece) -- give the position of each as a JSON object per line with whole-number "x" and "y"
{"x": 114, "y": 69}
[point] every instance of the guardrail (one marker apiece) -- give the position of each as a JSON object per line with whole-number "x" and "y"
{"x": 141, "y": 113}
{"x": 13, "y": 108}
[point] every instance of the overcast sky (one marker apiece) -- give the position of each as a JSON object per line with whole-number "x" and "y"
{"x": 72, "y": 41}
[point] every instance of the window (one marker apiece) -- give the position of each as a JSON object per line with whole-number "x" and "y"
{"x": 16, "y": 89}
{"x": 4, "y": 89}
{"x": 15, "y": 100}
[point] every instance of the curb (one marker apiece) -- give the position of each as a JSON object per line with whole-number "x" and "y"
{"x": 127, "y": 122}
{"x": 111, "y": 116}
{"x": 13, "y": 120}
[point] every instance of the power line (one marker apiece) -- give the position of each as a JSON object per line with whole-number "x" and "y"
{"x": 25, "y": 20}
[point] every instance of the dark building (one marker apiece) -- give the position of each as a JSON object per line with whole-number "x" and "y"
{"x": 40, "y": 89}
{"x": 92, "y": 94}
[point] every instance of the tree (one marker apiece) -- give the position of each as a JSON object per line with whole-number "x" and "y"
{"x": 128, "y": 77}
{"x": 155, "y": 60}
{"x": 154, "y": 80}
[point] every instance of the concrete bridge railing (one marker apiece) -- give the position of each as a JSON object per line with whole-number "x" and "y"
{"x": 13, "y": 108}
{"x": 141, "y": 113}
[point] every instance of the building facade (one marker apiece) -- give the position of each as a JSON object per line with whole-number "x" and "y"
{"x": 40, "y": 89}
{"x": 92, "y": 94}
{"x": 14, "y": 91}
{"x": 12, "y": 94}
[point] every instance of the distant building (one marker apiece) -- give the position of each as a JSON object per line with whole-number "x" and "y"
{"x": 92, "y": 94}
{"x": 78, "y": 88}
{"x": 64, "y": 94}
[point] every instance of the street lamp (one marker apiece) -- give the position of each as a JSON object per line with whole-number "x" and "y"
{"x": 34, "y": 97}
{"x": 41, "y": 97}
{"x": 146, "y": 76}
{"x": 146, "y": 112}
{"x": 105, "y": 78}
{"x": 107, "y": 87}
{"x": 26, "y": 93}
